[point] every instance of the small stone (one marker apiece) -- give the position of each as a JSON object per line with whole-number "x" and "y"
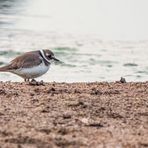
{"x": 52, "y": 89}
{"x": 85, "y": 121}
{"x": 123, "y": 80}
{"x": 32, "y": 94}
{"x": 66, "y": 115}
{"x": 2, "y": 91}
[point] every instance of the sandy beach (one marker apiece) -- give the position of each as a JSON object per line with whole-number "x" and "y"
{"x": 74, "y": 115}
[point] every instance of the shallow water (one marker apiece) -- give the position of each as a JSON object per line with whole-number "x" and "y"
{"x": 86, "y": 56}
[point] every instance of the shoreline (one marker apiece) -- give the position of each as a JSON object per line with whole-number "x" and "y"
{"x": 95, "y": 114}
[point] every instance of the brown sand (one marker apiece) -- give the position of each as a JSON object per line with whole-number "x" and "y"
{"x": 74, "y": 115}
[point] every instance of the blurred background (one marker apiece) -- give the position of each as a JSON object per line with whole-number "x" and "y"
{"x": 98, "y": 40}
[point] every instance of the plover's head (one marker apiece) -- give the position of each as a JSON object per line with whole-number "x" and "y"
{"x": 48, "y": 55}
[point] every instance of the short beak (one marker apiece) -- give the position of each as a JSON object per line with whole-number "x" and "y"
{"x": 56, "y": 59}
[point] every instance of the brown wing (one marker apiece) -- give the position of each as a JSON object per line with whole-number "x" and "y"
{"x": 26, "y": 60}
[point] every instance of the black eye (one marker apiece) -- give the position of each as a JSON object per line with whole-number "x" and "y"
{"x": 49, "y": 56}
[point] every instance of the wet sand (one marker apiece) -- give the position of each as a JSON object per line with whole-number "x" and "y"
{"x": 74, "y": 115}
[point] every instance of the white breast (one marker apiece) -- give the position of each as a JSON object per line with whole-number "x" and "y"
{"x": 32, "y": 72}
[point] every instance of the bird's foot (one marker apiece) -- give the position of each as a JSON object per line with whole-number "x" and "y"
{"x": 34, "y": 82}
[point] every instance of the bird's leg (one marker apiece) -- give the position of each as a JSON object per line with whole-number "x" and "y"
{"x": 34, "y": 82}
{"x": 26, "y": 80}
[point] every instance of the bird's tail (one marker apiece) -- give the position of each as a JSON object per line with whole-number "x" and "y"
{"x": 4, "y": 69}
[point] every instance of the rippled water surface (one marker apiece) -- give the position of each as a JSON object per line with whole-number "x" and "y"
{"x": 86, "y": 57}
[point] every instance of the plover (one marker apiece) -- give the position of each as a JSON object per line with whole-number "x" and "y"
{"x": 31, "y": 64}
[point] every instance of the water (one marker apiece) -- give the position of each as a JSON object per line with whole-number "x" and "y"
{"x": 73, "y": 36}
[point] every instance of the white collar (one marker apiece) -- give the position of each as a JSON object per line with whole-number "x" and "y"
{"x": 43, "y": 55}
